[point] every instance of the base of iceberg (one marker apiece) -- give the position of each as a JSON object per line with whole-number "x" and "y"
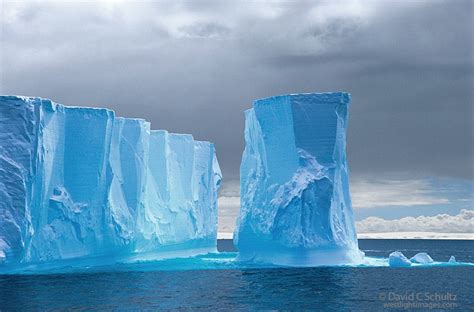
{"x": 201, "y": 261}
{"x": 300, "y": 257}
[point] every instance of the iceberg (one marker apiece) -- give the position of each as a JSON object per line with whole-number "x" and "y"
{"x": 398, "y": 260}
{"x": 80, "y": 184}
{"x": 421, "y": 258}
{"x": 295, "y": 203}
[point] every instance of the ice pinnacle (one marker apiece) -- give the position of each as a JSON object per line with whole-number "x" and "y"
{"x": 295, "y": 202}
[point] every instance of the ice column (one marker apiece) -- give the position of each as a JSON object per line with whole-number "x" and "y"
{"x": 295, "y": 201}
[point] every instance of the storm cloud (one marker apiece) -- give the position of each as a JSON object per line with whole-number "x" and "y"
{"x": 194, "y": 67}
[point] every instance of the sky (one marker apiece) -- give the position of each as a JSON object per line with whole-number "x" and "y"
{"x": 195, "y": 66}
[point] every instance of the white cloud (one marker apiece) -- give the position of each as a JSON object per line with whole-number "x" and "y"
{"x": 383, "y": 193}
{"x": 229, "y": 205}
{"x": 373, "y": 194}
{"x": 408, "y": 235}
{"x": 442, "y": 223}
{"x": 228, "y": 211}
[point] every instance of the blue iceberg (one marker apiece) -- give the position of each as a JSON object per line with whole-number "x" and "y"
{"x": 295, "y": 202}
{"x": 81, "y": 189}
{"x": 82, "y": 185}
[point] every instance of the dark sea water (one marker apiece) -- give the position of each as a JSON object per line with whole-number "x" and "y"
{"x": 227, "y": 288}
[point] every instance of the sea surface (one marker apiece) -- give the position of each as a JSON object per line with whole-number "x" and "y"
{"x": 217, "y": 283}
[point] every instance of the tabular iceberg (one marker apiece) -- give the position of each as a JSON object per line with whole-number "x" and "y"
{"x": 295, "y": 203}
{"x": 79, "y": 183}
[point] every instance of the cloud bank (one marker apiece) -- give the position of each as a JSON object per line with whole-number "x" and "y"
{"x": 442, "y": 223}
{"x": 195, "y": 66}
{"x": 370, "y": 196}
{"x": 382, "y": 193}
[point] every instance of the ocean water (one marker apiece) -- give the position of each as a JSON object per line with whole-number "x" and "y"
{"x": 221, "y": 284}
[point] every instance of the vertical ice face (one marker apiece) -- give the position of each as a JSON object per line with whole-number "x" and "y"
{"x": 180, "y": 175}
{"x": 295, "y": 202}
{"x": 155, "y": 221}
{"x": 183, "y": 181}
{"x": 17, "y": 170}
{"x": 71, "y": 182}
{"x": 77, "y": 183}
{"x": 206, "y": 181}
{"x": 128, "y": 161}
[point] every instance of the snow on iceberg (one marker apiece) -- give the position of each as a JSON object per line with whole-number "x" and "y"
{"x": 295, "y": 203}
{"x": 79, "y": 182}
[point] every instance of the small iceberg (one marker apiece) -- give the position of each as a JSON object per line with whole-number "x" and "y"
{"x": 398, "y": 259}
{"x": 452, "y": 259}
{"x": 421, "y": 258}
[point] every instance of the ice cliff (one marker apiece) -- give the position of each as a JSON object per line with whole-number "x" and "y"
{"x": 80, "y": 183}
{"x": 295, "y": 202}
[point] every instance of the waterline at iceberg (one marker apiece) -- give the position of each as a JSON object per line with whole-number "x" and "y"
{"x": 84, "y": 190}
{"x": 80, "y": 184}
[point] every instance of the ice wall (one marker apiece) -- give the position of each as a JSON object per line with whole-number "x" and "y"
{"x": 79, "y": 183}
{"x": 295, "y": 202}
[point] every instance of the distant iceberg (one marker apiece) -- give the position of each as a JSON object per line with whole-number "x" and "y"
{"x": 422, "y": 258}
{"x": 295, "y": 202}
{"x": 80, "y": 183}
{"x": 398, "y": 259}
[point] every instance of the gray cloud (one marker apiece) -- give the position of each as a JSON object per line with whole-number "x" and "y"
{"x": 385, "y": 193}
{"x": 205, "y": 30}
{"x": 194, "y": 67}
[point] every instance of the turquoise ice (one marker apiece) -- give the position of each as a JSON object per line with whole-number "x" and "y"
{"x": 81, "y": 185}
{"x": 295, "y": 202}
{"x": 81, "y": 189}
